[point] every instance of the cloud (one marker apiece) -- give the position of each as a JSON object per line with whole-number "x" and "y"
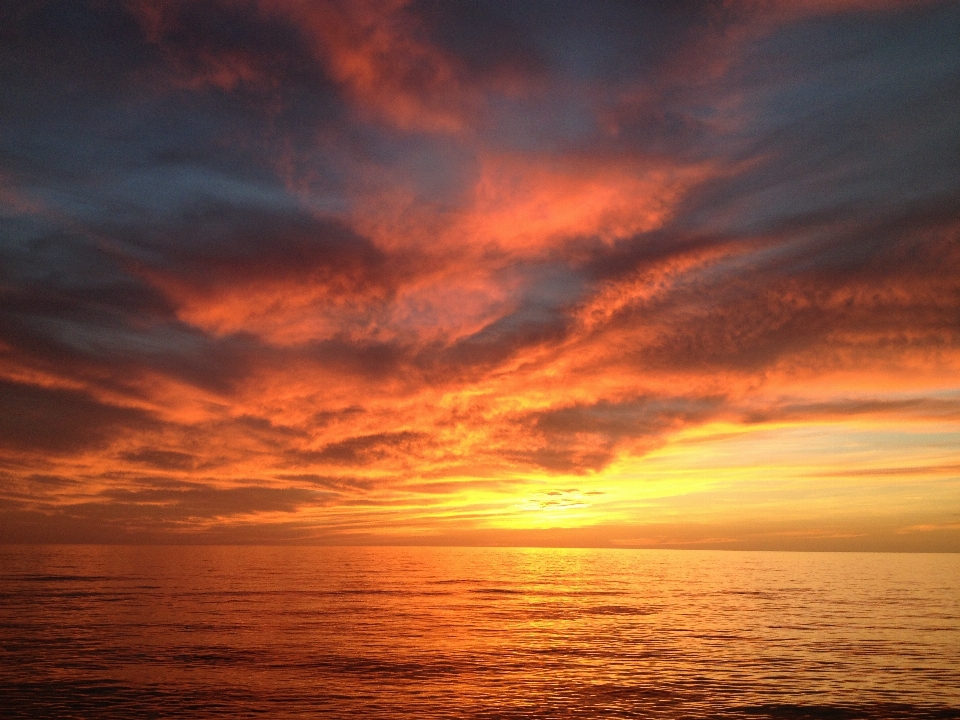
{"x": 229, "y": 46}
{"x": 177, "y": 503}
{"x": 162, "y": 459}
{"x": 59, "y": 420}
{"x": 423, "y": 258}
{"x": 577, "y": 438}
{"x": 368, "y": 448}
{"x": 260, "y": 272}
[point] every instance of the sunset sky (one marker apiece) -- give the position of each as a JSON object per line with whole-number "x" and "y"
{"x": 630, "y": 274}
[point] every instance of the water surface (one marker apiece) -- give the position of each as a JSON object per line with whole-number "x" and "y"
{"x": 111, "y": 632}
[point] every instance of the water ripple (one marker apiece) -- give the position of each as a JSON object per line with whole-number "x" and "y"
{"x": 108, "y": 632}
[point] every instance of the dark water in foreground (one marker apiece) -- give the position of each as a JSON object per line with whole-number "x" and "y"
{"x": 106, "y": 632}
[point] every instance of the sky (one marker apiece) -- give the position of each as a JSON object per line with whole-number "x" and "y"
{"x": 625, "y": 274}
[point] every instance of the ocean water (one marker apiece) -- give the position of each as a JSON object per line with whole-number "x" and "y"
{"x": 243, "y": 632}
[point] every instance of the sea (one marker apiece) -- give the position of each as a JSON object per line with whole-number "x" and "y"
{"x": 429, "y": 632}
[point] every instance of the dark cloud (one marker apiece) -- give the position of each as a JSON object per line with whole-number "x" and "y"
{"x": 198, "y": 501}
{"x": 917, "y": 407}
{"x": 117, "y": 351}
{"x": 485, "y": 38}
{"x": 605, "y": 41}
{"x": 102, "y": 39}
{"x": 853, "y": 283}
{"x": 631, "y": 418}
{"x": 148, "y": 514}
{"x": 844, "y": 115}
{"x": 339, "y": 483}
{"x": 370, "y": 359}
{"x": 231, "y": 46}
{"x": 161, "y": 459}
{"x": 577, "y": 438}
{"x": 237, "y": 245}
{"x": 648, "y": 251}
{"x": 56, "y": 420}
{"x": 496, "y": 343}
{"x": 365, "y": 449}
